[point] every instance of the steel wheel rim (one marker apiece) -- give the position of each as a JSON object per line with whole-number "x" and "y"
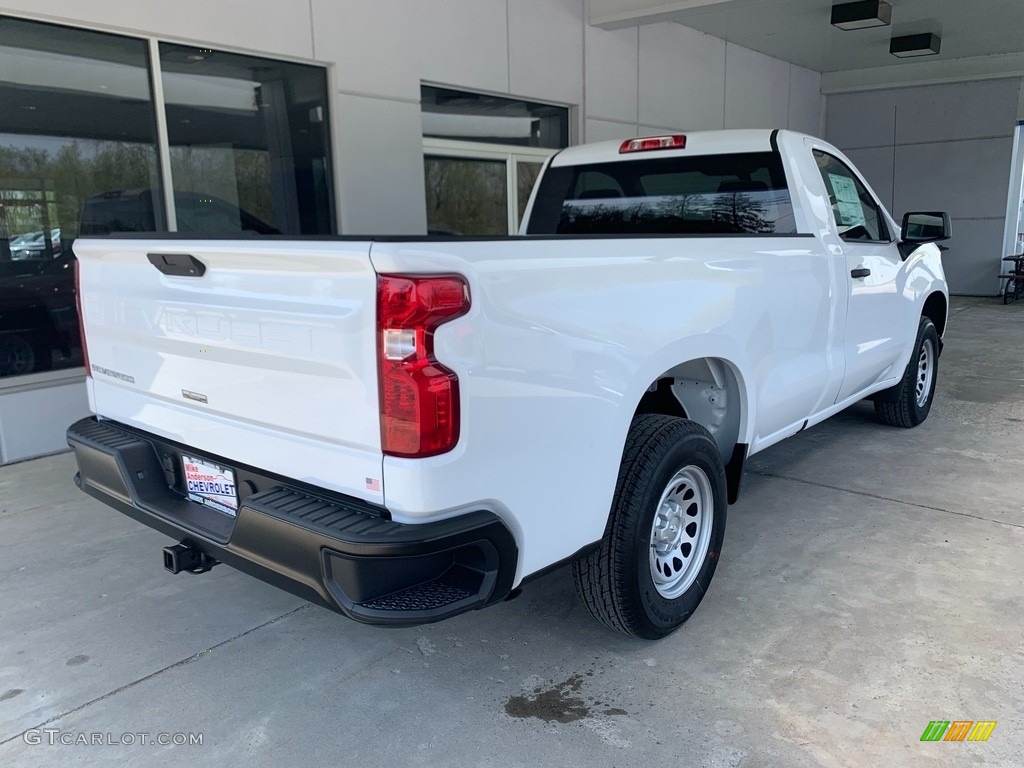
{"x": 925, "y": 372}
{"x": 16, "y": 356}
{"x": 681, "y": 531}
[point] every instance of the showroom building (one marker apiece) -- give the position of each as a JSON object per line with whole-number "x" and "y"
{"x": 362, "y": 117}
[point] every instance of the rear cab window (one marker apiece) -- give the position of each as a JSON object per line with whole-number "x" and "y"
{"x": 732, "y": 194}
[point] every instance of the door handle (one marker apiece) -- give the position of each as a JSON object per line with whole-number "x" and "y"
{"x": 860, "y": 272}
{"x": 177, "y": 264}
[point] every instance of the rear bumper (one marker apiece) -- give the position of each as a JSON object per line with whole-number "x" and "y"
{"x": 337, "y": 551}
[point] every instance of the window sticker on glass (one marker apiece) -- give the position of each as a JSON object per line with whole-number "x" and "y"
{"x": 851, "y": 213}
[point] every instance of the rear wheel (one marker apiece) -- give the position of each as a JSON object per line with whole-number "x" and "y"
{"x": 664, "y": 532}
{"x": 17, "y": 355}
{"x": 908, "y": 403}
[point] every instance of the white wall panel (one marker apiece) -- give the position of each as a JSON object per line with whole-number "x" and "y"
{"x": 611, "y": 73}
{"x": 682, "y": 78}
{"x": 546, "y": 49}
{"x": 346, "y": 32}
{"x": 969, "y": 179}
{"x": 756, "y": 89}
{"x": 805, "y": 101}
{"x": 956, "y": 111}
{"x": 380, "y": 148}
{"x": 655, "y": 130}
{"x": 973, "y": 259}
{"x": 461, "y": 42}
{"x": 605, "y": 130}
{"x": 33, "y": 422}
{"x": 855, "y": 120}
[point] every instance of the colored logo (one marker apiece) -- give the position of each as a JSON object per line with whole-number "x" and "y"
{"x": 958, "y": 730}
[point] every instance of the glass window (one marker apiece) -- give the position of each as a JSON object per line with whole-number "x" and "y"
{"x": 482, "y": 156}
{"x": 77, "y": 128}
{"x": 712, "y": 194}
{"x": 465, "y": 116}
{"x": 466, "y": 196}
{"x": 249, "y": 143}
{"x": 858, "y": 217}
{"x": 526, "y": 177}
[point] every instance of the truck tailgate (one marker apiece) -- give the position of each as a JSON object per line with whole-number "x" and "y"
{"x": 268, "y": 358}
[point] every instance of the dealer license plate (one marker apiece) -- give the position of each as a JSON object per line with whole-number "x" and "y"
{"x": 211, "y": 485}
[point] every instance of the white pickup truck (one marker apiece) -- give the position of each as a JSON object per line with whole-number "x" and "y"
{"x": 405, "y": 428}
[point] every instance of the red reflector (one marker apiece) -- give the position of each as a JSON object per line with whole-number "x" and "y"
{"x": 647, "y": 143}
{"x": 81, "y": 323}
{"x": 419, "y": 397}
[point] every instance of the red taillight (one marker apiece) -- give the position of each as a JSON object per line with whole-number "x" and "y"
{"x": 81, "y": 320}
{"x": 646, "y": 144}
{"x": 419, "y": 397}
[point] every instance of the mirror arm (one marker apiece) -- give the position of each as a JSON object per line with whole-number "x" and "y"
{"x": 907, "y": 247}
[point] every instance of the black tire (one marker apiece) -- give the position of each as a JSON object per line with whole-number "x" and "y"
{"x": 43, "y": 353}
{"x": 18, "y": 354}
{"x": 615, "y": 581}
{"x": 899, "y": 406}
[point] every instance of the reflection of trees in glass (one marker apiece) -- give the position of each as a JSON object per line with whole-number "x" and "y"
{"x": 742, "y": 212}
{"x": 240, "y": 177}
{"x": 711, "y": 213}
{"x": 254, "y": 192}
{"x": 466, "y": 197}
{"x": 69, "y": 176}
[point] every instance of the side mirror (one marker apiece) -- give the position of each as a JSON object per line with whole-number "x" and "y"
{"x": 919, "y": 228}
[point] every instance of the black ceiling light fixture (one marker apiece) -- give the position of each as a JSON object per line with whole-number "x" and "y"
{"x": 909, "y": 46}
{"x": 861, "y": 15}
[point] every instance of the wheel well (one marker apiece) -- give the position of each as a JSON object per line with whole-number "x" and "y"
{"x": 706, "y": 391}
{"x": 659, "y": 399}
{"x": 935, "y": 309}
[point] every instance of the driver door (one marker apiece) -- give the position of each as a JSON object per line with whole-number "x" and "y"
{"x": 873, "y": 263}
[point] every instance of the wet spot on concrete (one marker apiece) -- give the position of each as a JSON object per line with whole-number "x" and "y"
{"x": 74, "y": 661}
{"x": 557, "y": 704}
{"x": 11, "y": 693}
{"x": 562, "y": 702}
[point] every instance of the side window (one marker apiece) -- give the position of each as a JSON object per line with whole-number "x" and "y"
{"x": 857, "y": 215}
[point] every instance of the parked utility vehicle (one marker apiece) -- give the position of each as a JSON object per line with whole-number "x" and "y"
{"x": 406, "y": 428}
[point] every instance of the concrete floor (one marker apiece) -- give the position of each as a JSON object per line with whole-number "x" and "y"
{"x": 871, "y": 581}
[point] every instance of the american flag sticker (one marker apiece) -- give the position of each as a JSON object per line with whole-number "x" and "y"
{"x": 372, "y": 484}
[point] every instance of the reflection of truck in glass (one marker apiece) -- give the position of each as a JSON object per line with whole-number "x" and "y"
{"x": 132, "y": 210}
{"x": 37, "y": 315}
{"x": 403, "y": 429}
